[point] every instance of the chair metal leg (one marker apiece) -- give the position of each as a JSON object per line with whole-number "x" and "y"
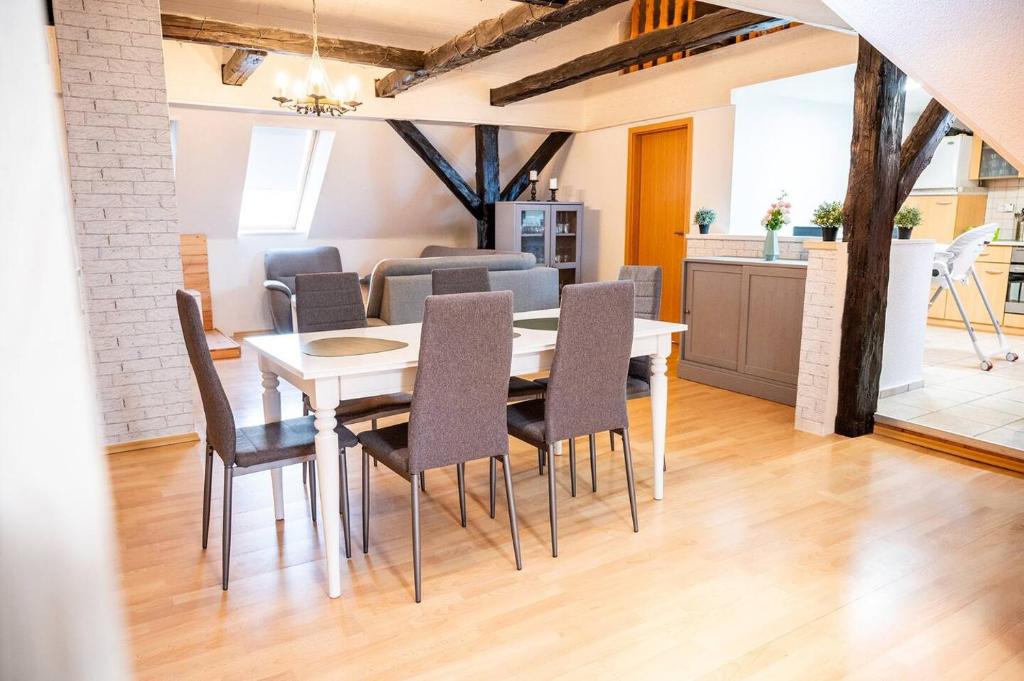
{"x": 345, "y": 510}
{"x": 207, "y": 489}
{"x": 312, "y": 490}
{"x": 611, "y": 439}
{"x": 510, "y": 499}
{"x": 627, "y": 454}
{"x": 572, "y": 464}
{"x": 415, "y": 486}
{"x": 225, "y": 556}
{"x": 540, "y": 461}
{"x": 373, "y": 424}
{"x": 494, "y": 479}
{"x": 423, "y": 481}
{"x": 460, "y": 473}
{"x": 592, "y": 441}
{"x": 552, "y": 500}
{"x": 304, "y": 469}
{"x": 366, "y": 502}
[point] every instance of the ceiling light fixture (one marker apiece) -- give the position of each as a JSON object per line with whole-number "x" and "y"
{"x": 315, "y": 96}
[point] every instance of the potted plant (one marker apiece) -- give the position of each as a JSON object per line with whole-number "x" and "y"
{"x": 828, "y": 216}
{"x": 704, "y": 217}
{"x": 773, "y": 220}
{"x": 906, "y": 219}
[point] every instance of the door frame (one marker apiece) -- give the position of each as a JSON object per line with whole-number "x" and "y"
{"x": 633, "y": 181}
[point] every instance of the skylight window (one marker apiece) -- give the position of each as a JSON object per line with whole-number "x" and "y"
{"x": 283, "y": 180}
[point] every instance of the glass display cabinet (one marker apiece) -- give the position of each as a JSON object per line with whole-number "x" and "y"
{"x": 551, "y": 230}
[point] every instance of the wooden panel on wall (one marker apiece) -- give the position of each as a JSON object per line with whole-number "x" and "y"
{"x": 195, "y": 267}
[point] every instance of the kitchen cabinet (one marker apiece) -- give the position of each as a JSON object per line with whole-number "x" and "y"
{"x": 987, "y": 164}
{"x": 551, "y": 230}
{"x": 745, "y": 320}
{"x": 946, "y": 216}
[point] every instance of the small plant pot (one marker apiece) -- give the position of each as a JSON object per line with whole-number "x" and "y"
{"x": 905, "y": 232}
{"x": 704, "y": 229}
{"x": 829, "y": 233}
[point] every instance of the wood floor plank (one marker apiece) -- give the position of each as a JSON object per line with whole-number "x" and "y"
{"x": 775, "y": 555}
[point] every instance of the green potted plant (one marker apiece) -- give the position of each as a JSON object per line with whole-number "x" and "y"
{"x": 906, "y": 219}
{"x": 773, "y": 220}
{"x": 704, "y": 217}
{"x": 829, "y": 216}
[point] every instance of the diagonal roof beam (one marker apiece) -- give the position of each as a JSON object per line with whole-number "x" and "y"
{"x": 706, "y": 30}
{"x": 524, "y": 22}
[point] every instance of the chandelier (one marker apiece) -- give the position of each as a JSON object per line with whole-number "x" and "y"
{"x": 315, "y": 96}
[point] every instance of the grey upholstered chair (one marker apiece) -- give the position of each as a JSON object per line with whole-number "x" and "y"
{"x": 458, "y": 405}
{"x": 333, "y": 301}
{"x": 245, "y": 450}
{"x": 646, "y": 305}
{"x": 475, "y": 280}
{"x": 280, "y": 267}
{"x": 586, "y": 388}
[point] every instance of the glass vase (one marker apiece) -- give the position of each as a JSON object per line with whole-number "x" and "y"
{"x": 771, "y": 245}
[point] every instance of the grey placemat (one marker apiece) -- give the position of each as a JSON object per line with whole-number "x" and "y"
{"x": 346, "y": 346}
{"x": 538, "y": 323}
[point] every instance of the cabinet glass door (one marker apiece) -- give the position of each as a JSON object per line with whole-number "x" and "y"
{"x": 565, "y": 235}
{"x": 532, "y": 232}
{"x": 993, "y": 165}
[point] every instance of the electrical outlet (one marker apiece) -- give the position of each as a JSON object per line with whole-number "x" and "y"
{"x": 1005, "y": 208}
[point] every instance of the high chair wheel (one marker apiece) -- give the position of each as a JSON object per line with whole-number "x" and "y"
{"x": 1012, "y": 357}
{"x": 986, "y": 366}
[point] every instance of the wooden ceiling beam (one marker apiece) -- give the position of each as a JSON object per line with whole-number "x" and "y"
{"x": 524, "y": 22}
{"x": 240, "y": 66}
{"x": 436, "y": 161}
{"x": 538, "y": 161}
{"x": 920, "y": 145}
{"x": 706, "y": 30}
{"x": 267, "y": 39}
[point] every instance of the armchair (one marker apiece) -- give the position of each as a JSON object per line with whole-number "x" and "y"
{"x": 281, "y": 265}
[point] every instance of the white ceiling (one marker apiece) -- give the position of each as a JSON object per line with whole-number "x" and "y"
{"x": 415, "y": 24}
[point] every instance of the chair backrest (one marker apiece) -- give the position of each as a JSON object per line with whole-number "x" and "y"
{"x": 328, "y": 302}
{"x": 458, "y": 403}
{"x": 460, "y": 280}
{"x": 282, "y": 264}
{"x": 646, "y": 305}
{"x": 220, "y": 422}
{"x": 587, "y": 386}
{"x": 967, "y": 247}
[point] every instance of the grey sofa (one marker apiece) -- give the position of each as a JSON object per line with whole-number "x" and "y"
{"x": 398, "y": 287}
{"x": 281, "y": 265}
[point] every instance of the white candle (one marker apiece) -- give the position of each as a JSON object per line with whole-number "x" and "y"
{"x": 533, "y": 176}
{"x": 553, "y": 184}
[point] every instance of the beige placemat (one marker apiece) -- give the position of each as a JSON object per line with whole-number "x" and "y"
{"x": 346, "y": 346}
{"x": 538, "y": 323}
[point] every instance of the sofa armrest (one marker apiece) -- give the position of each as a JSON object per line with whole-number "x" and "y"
{"x": 280, "y": 297}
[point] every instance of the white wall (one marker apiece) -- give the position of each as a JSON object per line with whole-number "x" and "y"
{"x": 796, "y": 145}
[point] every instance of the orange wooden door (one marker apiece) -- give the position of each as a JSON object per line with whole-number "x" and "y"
{"x": 659, "y": 205}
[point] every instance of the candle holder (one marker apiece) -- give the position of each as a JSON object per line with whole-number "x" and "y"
{"x": 533, "y": 190}
{"x": 554, "y": 194}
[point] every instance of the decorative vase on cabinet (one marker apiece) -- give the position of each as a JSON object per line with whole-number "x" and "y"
{"x": 551, "y": 230}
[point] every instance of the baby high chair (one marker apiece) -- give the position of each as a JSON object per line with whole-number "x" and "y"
{"x": 956, "y": 263}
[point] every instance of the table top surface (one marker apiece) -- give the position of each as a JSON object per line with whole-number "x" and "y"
{"x": 286, "y": 349}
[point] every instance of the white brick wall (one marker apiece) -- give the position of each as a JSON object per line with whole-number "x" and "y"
{"x": 122, "y": 184}
{"x": 741, "y": 245}
{"x": 824, "y": 295}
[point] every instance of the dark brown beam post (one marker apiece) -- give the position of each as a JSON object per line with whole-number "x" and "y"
{"x": 518, "y": 25}
{"x": 644, "y": 48}
{"x": 868, "y": 222}
{"x": 240, "y": 66}
{"x": 439, "y": 164}
{"x": 545, "y": 152}
{"x": 920, "y": 146}
{"x": 488, "y": 179}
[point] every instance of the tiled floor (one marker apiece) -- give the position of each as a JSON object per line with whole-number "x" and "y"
{"x": 960, "y": 398}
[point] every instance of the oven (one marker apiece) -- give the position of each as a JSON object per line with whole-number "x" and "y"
{"x": 1015, "y": 286}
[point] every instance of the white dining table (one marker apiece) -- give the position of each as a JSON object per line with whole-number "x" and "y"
{"x": 328, "y": 380}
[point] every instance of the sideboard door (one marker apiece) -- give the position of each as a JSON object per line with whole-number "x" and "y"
{"x": 773, "y": 305}
{"x": 712, "y": 308}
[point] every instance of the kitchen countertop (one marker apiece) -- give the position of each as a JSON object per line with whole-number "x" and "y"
{"x": 736, "y": 260}
{"x": 1006, "y": 242}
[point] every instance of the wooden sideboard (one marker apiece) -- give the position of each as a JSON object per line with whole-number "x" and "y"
{"x": 745, "y": 320}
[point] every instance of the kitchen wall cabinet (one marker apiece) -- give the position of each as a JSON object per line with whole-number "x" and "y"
{"x": 987, "y": 164}
{"x": 946, "y": 216}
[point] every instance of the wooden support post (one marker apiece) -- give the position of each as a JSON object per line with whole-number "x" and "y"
{"x": 923, "y": 140}
{"x": 439, "y": 164}
{"x": 545, "y": 152}
{"x": 488, "y": 180}
{"x": 240, "y": 66}
{"x": 868, "y": 222}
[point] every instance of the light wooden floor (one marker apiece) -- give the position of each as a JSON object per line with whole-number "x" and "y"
{"x": 775, "y": 555}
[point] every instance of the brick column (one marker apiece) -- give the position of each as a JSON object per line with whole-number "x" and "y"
{"x": 824, "y": 295}
{"x": 122, "y": 185}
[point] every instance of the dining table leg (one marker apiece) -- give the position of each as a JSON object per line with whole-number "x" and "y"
{"x": 325, "y": 402}
{"x": 272, "y": 414}
{"x": 659, "y": 411}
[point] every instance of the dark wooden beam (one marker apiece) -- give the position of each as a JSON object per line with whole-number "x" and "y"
{"x": 920, "y": 146}
{"x": 543, "y": 3}
{"x": 545, "y": 152}
{"x": 867, "y": 224}
{"x": 488, "y": 180}
{"x": 246, "y": 37}
{"x": 647, "y": 47}
{"x": 521, "y": 23}
{"x": 240, "y": 66}
{"x": 439, "y": 164}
